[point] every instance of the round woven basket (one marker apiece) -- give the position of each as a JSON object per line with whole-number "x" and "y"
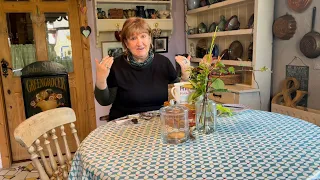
{"x": 230, "y": 78}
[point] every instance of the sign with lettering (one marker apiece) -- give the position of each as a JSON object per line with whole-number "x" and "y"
{"x": 45, "y": 86}
{"x": 301, "y": 73}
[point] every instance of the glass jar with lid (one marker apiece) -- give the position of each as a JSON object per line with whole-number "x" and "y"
{"x": 174, "y": 124}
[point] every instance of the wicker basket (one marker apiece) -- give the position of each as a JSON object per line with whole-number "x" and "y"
{"x": 310, "y": 115}
{"x": 115, "y": 13}
{"x": 230, "y": 78}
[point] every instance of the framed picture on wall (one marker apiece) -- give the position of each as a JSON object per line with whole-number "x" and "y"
{"x": 160, "y": 44}
{"x": 111, "y": 48}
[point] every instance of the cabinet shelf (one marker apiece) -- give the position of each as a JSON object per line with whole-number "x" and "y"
{"x": 132, "y": 2}
{"x": 228, "y": 62}
{"x": 223, "y": 33}
{"x": 105, "y": 28}
{"x": 215, "y": 6}
{"x": 104, "y": 25}
{"x": 263, "y": 11}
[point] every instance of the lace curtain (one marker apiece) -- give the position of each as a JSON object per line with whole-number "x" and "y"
{"x": 22, "y": 55}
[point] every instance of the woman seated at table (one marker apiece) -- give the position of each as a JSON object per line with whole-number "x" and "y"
{"x": 136, "y": 81}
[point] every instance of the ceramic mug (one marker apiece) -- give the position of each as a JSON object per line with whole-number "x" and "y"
{"x": 181, "y": 93}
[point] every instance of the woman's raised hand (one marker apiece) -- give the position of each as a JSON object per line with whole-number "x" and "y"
{"x": 102, "y": 71}
{"x": 183, "y": 62}
{"x": 185, "y": 66}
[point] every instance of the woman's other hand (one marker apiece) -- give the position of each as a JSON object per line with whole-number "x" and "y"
{"x": 102, "y": 71}
{"x": 207, "y": 60}
{"x": 185, "y": 66}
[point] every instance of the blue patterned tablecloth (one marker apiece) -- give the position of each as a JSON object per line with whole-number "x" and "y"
{"x": 249, "y": 145}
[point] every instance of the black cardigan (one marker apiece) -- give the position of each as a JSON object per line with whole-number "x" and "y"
{"x": 133, "y": 90}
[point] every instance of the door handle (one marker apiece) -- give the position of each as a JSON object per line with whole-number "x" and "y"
{"x": 216, "y": 95}
{"x": 4, "y": 67}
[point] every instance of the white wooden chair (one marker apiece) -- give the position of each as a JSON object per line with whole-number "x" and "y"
{"x": 29, "y": 133}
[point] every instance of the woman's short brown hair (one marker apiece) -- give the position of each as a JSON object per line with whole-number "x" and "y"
{"x": 132, "y": 26}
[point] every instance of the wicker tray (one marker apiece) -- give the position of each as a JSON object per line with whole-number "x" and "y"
{"x": 115, "y": 13}
{"x": 230, "y": 78}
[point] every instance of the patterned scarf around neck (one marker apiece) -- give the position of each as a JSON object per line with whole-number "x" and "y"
{"x": 134, "y": 63}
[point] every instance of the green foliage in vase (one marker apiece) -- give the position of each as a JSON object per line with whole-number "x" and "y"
{"x": 205, "y": 77}
{"x": 223, "y": 110}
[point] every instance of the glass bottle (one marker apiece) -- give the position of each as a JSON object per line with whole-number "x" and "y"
{"x": 206, "y": 115}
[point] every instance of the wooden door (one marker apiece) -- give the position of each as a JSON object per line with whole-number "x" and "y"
{"x": 45, "y": 30}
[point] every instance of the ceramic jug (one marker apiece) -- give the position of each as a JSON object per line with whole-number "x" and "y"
{"x": 140, "y": 12}
{"x": 222, "y": 23}
{"x": 99, "y": 13}
{"x": 150, "y": 12}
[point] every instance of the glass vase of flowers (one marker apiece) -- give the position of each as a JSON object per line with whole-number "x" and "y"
{"x": 206, "y": 115}
{"x": 205, "y": 79}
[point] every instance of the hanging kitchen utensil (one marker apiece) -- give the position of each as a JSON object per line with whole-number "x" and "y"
{"x": 284, "y": 27}
{"x": 235, "y": 50}
{"x": 310, "y": 43}
{"x": 299, "y": 5}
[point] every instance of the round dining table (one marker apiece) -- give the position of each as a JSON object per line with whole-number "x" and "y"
{"x": 251, "y": 144}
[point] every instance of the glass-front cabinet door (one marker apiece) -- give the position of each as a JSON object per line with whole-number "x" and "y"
{"x": 41, "y": 30}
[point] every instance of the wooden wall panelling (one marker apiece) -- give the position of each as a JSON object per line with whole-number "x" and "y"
{"x": 4, "y": 134}
{"x": 40, "y": 35}
{"x": 4, "y": 129}
{"x": 84, "y": 103}
{"x": 87, "y": 68}
{"x": 80, "y": 101}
